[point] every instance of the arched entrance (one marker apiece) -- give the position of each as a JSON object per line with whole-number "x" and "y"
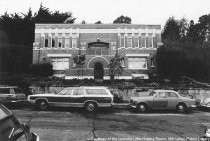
{"x": 98, "y": 70}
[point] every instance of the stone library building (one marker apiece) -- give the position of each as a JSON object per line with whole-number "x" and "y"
{"x": 60, "y": 43}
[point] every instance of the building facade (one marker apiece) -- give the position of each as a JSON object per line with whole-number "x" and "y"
{"x": 60, "y": 43}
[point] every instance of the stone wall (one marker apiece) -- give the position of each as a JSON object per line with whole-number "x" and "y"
{"x": 197, "y": 93}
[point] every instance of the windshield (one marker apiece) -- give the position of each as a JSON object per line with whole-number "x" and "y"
{"x": 152, "y": 93}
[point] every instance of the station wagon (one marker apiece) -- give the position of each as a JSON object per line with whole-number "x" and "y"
{"x": 88, "y": 97}
{"x": 11, "y": 95}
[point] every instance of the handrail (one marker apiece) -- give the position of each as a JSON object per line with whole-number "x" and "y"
{"x": 195, "y": 81}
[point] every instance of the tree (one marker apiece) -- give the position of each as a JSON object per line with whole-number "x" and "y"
{"x": 45, "y": 69}
{"x": 17, "y": 36}
{"x": 183, "y": 28}
{"x": 44, "y": 15}
{"x": 176, "y": 59}
{"x": 98, "y": 22}
{"x": 171, "y": 30}
{"x": 115, "y": 67}
{"x": 122, "y": 19}
{"x": 198, "y": 32}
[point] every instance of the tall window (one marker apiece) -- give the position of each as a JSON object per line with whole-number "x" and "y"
{"x": 137, "y": 63}
{"x": 136, "y": 40}
{"x": 143, "y": 40}
{"x": 122, "y": 62}
{"x": 129, "y": 40}
{"x": 37, "y": 37}
{"x": 53, "y": 42}
{"x": 46, "y": 40}
{"x": 67, "y": 41}
{"x": 150, "y": 40}
{"x": 152, "y": 62}
{"x": 74, "y": 42}
{"x": 59, "y": 40}
{"x": 122, "y": 40}
{"x": 53, "y": 39}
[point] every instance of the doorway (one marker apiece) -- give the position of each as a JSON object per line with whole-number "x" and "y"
{"x": 98, "y": 70}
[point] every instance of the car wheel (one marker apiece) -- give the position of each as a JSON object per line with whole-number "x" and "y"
{"x": 142, "y": 107}
{"x": 42, "y": 105}
{"x": 181, "y": 108}
{"x": 90, "y": 107}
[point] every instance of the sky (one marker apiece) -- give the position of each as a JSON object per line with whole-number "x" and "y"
{"x": 140, "y": 11}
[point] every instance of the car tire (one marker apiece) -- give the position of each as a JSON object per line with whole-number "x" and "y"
{"x": 90, "y": 107}
{"x": 181, "y": 108}
{"x": 43, "y": 105}
{"x": 142, "y": 107}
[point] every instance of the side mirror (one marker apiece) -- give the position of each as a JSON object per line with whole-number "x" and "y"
{"x": 26, "y": 127}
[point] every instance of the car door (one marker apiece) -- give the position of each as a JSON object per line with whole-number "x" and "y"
{"x": 160, "y": 101}
{"x": 172, "y": 100}
{"x": 5, "y": 93}
{"x": 61, "y": 99}
{"x": 77, "y": 99}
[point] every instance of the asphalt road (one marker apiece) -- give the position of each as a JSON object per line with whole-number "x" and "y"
{"x": 116, "y": 124}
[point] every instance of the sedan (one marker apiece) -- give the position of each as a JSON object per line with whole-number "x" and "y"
{"x": 162, "y": 99}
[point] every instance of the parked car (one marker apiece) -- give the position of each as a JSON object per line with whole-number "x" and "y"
{"x": 162, "y": 99}
{"x": 205, "y": 103}
{"x": 88, "y": 97}
{"x": 12, "y": 130}
{"x": 12, "y": 95}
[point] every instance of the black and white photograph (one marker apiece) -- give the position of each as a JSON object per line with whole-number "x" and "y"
{"x": 104, "y": 70}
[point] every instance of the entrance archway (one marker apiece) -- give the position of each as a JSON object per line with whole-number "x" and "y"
{"x": 98, "y": 70}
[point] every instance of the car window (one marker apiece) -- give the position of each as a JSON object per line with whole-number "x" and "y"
{"x": 96, "y": 92}
{"x": 171, "y": 95}
{"x": 152, "y": 93}
{"x": 65, "y": 92}
{"x": 78, "y": 92}
{"x": 161, "y": 94}
{"x": 18, "y": 91}
{"x": 4, "y": 91}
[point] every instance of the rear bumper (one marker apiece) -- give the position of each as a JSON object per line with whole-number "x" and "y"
{"x": 15, "y": 101}
{"x": 192, "y": 107}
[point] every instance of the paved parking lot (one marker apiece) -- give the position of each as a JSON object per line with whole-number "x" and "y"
{"x": 117, "y": 124}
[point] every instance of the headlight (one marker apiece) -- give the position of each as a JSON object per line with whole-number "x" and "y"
{"x": 208, "y": 104}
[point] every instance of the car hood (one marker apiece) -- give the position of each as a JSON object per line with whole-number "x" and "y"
{"x": 50, "y": 94}
{"x": 187, "y": 99}
{"x": 141, "y": 98}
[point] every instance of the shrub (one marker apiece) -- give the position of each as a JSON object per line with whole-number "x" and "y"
{"x": 45, "y": 69}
